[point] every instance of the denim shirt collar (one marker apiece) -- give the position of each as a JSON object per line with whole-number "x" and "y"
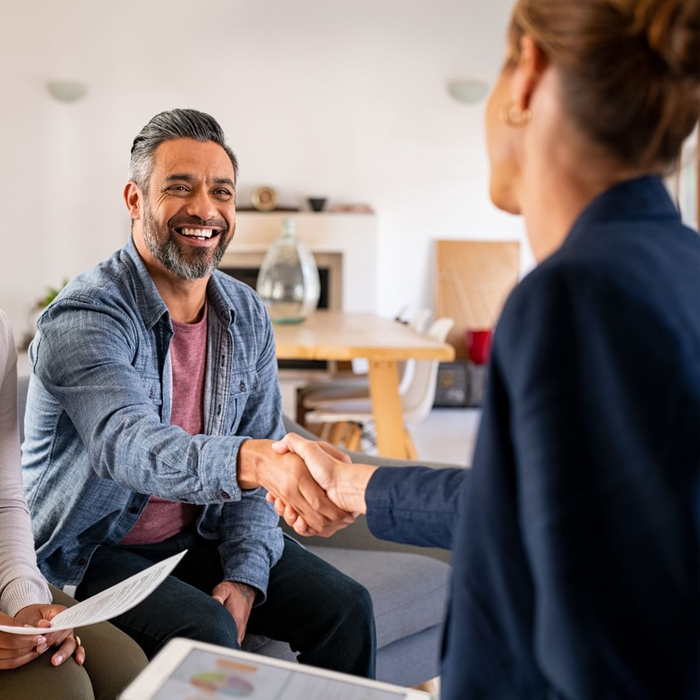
{"x": 152, "y": 308}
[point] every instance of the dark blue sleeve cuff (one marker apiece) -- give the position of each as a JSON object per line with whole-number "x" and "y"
{"x": 414, "y": 505}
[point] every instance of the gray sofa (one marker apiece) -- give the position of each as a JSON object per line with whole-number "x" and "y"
{"x": 408, "y": 585}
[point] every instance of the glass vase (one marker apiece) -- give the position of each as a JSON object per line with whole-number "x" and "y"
{"x": 288, "y": 282}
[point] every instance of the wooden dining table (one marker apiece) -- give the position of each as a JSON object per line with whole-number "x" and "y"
{"x": 337, "y": 335}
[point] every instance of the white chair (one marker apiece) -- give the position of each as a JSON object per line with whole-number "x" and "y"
{"x": 355, "y": 387}
{"x": 343, "y": 419}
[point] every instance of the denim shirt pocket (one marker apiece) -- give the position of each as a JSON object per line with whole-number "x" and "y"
{"x": 244, "y": 384}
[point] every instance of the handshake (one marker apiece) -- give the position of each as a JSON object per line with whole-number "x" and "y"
{"x": 312, "y": 485}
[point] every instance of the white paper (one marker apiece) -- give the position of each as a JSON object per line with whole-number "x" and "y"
{"x": 110, "y": 603}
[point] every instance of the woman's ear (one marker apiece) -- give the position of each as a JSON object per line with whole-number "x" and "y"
{"x": 133, "y": 199}
{"x": 531, "y": 65}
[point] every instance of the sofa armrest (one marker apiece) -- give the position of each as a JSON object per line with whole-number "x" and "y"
{"x": 358, "y": 535}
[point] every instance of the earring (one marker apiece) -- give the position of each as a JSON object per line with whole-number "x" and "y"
{"x": 512, "y": 115}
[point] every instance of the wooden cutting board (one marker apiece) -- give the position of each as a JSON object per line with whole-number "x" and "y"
{"x": 473, "y": 280}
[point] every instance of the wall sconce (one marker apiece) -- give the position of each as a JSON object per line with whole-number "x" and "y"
{"x": 67, "y": 90}
{"x": 468, "y": 91}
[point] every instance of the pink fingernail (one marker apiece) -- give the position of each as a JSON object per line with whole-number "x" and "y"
{"x": 58, "y": 659}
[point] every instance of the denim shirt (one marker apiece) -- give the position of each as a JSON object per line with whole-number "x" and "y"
{"x": 98, "y": 439}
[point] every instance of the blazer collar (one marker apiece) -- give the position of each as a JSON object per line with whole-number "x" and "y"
{"x": 645, "y": 198}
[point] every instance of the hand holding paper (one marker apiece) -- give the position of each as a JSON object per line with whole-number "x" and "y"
{"x": 108, "y": 604}
{"x": 39, "y": 616}
{"x": 17, "y": 650}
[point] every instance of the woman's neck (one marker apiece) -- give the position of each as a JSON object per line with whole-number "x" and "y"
{"x": 557, "y": 188}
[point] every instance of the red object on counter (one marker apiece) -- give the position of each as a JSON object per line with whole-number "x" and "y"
{"x": 478, "y": 344}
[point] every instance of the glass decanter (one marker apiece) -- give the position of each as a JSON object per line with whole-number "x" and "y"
{"x": 288, "y": 282}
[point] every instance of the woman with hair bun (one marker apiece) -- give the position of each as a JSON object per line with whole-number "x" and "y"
{"x": 576, "y": 534}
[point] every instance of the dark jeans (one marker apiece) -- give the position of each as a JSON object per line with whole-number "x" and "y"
{"x": 322, "y": 613}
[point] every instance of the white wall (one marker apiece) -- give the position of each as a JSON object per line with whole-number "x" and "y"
{"x": 343, "y": 99}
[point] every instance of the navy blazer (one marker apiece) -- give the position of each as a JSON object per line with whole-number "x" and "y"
{"x": 576, "y": 534}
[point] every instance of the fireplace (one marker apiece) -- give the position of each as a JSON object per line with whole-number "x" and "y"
{"x": 249, "y": 275}
{"x": 245, "y": 266}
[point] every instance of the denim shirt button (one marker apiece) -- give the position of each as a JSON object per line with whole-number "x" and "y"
{"x": 82, "y": 561}
{"x": 241, "y": 386}
{"x": 225, "y": 495}
{"x": 133, "y": 510}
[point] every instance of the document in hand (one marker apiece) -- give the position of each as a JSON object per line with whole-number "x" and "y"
{"x": 110, "y": 603}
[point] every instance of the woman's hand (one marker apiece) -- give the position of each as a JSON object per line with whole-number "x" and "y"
{"x": 344, "y": 483}
{"x": 40, "y": 615}
{"x": 19, "y": 649}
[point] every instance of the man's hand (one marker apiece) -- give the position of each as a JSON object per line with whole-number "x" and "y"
{"x": 344, "y": 483}
{"x": 40, "y": 615}
{"x": 238, "y": 598}
{"x": 284, "y": 475}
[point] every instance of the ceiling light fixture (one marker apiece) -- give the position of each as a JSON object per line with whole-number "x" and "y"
{"x": 468, "y": 91}
{"x": 67, "y": 90}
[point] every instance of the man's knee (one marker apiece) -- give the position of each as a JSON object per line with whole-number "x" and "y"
{"x": 344, "y": 637}
{"x": 210, "y": 622}
{"x": 361, "y": 600}
{"x": 353, "y": 604}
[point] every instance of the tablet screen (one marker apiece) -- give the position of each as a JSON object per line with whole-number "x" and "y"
{"x": 204, "y": 675}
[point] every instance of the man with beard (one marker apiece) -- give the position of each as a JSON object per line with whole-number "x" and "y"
{"x": 151, "y": 410}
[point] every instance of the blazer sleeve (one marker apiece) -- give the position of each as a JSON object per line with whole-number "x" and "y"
{"x": 415, "y": 505}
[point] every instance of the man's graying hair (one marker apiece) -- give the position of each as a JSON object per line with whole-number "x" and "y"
{"x": 174, "y": 124}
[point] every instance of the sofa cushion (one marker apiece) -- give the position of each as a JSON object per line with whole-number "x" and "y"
{"x": 409, "y": 591}
{"x": 411, "y": 660}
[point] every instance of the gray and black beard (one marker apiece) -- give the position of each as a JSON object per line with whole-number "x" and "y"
{"x": 169, "y": 252}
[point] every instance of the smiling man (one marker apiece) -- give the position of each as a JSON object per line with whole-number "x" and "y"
{"x": 151, "y": 409}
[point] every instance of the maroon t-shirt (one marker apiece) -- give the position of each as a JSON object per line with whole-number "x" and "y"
{"x": 188, "y": 353}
